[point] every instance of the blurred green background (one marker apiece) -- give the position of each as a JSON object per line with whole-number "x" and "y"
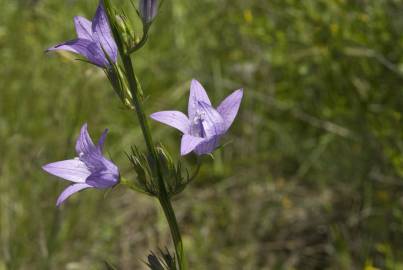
{"x": 312, "y": 178}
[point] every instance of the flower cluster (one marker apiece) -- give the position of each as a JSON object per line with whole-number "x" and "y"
{"x": 202, "y": 129}
{"x": 105, "y": 40}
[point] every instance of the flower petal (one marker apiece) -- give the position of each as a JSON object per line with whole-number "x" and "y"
{"x": 110, "y": 166}
{"x": 73, "y": 170}
{"x": 189, "y": 143}
{"x": 213, "y": 123}
{"x": 83, "y": 27}
{"x": 84, "y": 144}
{"x": 86, "y": 48}
{"x": 103, "y": 179}
{"x": 70, "y": 190}
{"x": 197, "y": 94}
{"x": 174, "y": 119}
{"x": 102, "y": 140}
{"x": 102, "y": 32}
{"x": 207, "y": 146}
{"x": 229, "y": 107}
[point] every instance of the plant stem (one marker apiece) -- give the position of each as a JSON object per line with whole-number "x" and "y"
{"x": 174, "y": 228}
{"x": 163, "y": 199}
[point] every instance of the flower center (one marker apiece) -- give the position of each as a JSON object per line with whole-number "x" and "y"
{"x": 196, "y": 127}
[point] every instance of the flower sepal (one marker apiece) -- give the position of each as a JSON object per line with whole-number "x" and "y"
{"x": 163, "y": 261}
{"x": 119, "y": 84}
{"x": 126, "y": 30}
{"x": 176, "y": 178}
{"x": 120, "y": 27}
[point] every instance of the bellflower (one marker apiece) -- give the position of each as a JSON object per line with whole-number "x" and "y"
{"x": 204, "y": 125}
{"x": 94, "y": 39}
{"x": 89, "y": 170}
{"x": 148, "y": 10}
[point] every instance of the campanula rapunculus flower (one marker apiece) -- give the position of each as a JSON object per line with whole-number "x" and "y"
{"x": 89, "y": 170}
{"x": 94, "y": 39}
{"x": 204, "y": 126}
{"x": 148, "y": 10}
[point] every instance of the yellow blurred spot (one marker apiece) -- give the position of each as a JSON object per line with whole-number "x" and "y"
{"x": 364, "y": 17}
{"x": 370, "y": 267}
{"x": 397, "y": 116}
{"x": 334, "y": 27}
{"x": 287, "y": 203}
{"x": 248, "y": 16}
{"x": 383, "y": 248}
{"x": 382, "y": 195}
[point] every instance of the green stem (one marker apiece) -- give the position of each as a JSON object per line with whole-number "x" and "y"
{"x": 163, "y": 195}
{"x": 174, "y": 228}
{"x": 196, "y": 172}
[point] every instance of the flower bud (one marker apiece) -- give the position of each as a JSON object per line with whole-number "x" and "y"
{"x": 148, "y": 10}
{"x": 175, "y": 179}
{"x": 126, "y": 30}
{"x": 119, "y": 84}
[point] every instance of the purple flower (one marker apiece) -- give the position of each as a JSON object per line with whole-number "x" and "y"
{"x": 205, "y": 125}
{"x": 89, "y": 170}
{"x": 148, "y": 10}
{"x": 94, "y": 39}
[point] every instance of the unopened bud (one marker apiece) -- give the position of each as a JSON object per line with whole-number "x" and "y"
{"x": 125, "y": 29}
{"x": 148, "y": 10}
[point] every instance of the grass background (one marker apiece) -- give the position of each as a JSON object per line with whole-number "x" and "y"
{"x": 312, "y": 178}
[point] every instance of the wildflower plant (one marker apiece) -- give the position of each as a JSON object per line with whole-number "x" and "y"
{"x": 109, "y": 42}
